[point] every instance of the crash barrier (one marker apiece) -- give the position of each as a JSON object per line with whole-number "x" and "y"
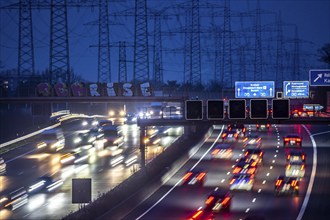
{"x": 126, "y": 196}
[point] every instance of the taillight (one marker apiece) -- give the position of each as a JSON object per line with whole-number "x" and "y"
{"x": 200, "y": 176}
{"x": 216, "y": 151}
{"x": 288, "y": 157}
{"x": 245, "y": 139}
{"x": 286, "y": 139}
{"x": 232, "y": 181}
{"x": 235, "y": 135}
{"x": 298, "y": 139}
{"x": 250, "y": 181}
{"x": 293, "y": 183}
{"x": 197, "y": 214}
{"x": 257, "y": 125}
{"x": 268, "y": 125}
{"x": 225, "y": 201}
{"x": 209, "y": 200}
{"x": 246, "y": 153}
{"x": 303, "y": 157}
{"x": 302, "y": 167}
{"x": 236, "y": 170}
{"x": 278, "y": 182}
{"x": 288, "y": 166}
{"x": 224, "y": 135}
{"x": 244, "y": 129}
{"x": 254, "y": 164}
{"x": 251, "y": 170}
{"x": 261, "y": 153}
{"x": 187, "y": 175}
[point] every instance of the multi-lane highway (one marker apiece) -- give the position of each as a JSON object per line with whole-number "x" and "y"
{"x": 25, "y": 164}
{"x": 174, "y": 201}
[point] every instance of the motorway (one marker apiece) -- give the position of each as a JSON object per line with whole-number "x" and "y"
{"x": 25, "y": 164}
{"x": 173, "y": 201}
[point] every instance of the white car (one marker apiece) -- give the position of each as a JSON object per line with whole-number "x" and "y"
{"x": 295, "y": 169}
{"x": 242, "y": 182}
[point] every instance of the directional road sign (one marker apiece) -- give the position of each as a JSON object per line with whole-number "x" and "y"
{"x": 296, "y": 89}
{"x": 319, "y": 77}
{"x": 254, "y": 89}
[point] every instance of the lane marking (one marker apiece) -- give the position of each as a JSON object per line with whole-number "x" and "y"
{"x": 247, "y": 210}
{"x": 311, "y": 180}
{"x": 325, "y": 132}
{"x": 254, "y": 200}
{"x": 10, "y": 160}
{"x": 173, "y": 187}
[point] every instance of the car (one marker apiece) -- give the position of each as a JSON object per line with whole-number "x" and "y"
{"x": 255, "y": 154}
{"x": 52, "y": 140}
{"x": 222, "y": 151}
{"x": 295, "y": 169}
{"x": 242, "y": 182}
{"x": 40, "y": 184}
{"x": 245, "y": 166}
{"x": 2, "y": 166}
{"x": 85, "y": 138}
{"x": 217, "y": 201}
{"x": 286, "y": 185}
{"x": 295, "y": 155}
{"x": 14, "y": 199}
{"x": 292, "y": 140}
{"x": 262, "y": 126}
{"x": 239, "y": 128}
{"x": 229, "y": 135}
{"x": 252, "y": 142}
{"x": 194, "y": 177}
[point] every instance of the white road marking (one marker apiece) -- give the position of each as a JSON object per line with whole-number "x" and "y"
{"x": 259, "y": 190}
{"x": 254, "y": 200}
{"x": 311, "y": 180}
{"x": 263, "y": 182}
{"x": 267, "y": 174}
{"x": 325, "y": 132}
{"x": 173, "y": 187}
{"x": 247, "y": 210}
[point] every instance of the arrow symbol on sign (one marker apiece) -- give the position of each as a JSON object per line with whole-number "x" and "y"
{"x": 254, "y": 94}
{"x": 238, "y": 91}
{"x": 270, "y": 91}
{"x": 319, "y": 76}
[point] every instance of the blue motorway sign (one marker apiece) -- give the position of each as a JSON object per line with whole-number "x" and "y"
{"x": 254, "y": 89}
{"x": 296, "y": 89}
{"x": 319, "y": 77}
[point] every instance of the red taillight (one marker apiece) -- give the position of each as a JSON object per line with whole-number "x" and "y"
{"x": 288, "y": 157}
{"x": 244, "y": 129}
{"x": 298, "y": 139}
{"x": 197, "y": 214}
{"x": 187, "y": 175}
{"x": 251, "y": 171}
{"x": 288, "y": 166}
{"x": 257, "y": 125}
{"x": 261, "y": 153}
{"x": 232, "y": 181}
{"x": 302, "y": 167}
{"x": 293, "y": 183}
{"x": 216, "y": 151}
{"x": 259, "y": 139}
{"x": 209, "y": 200}
{"x": 235, "y": 135}
{"x": 303, "y": 157}
{"x": 245, "y": 139}
{"x": 224, "y": 135}
{"x": 268, "y": 125}
{"x": 254, "y": 164}
{"x": 278, "y": 182}
{"x": 236, "y": 170}
{"x": 200, "y": 176}
{"x": 246, "y": 153}
{"x": 299, "y": 113}
{"x": 286, "y": 139}
{"x": 225, "y": 201}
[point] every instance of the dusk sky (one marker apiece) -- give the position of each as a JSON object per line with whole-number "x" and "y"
{"x": 312, "y": 17}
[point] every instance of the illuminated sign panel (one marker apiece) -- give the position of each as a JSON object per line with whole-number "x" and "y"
{"x": 319, "y": 77}
{"x": 296, "y": 89}
{"x": 254, "y": 89}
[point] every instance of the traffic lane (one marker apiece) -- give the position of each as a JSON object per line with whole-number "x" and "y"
{"x": 249, "y": 204}
{"x": 318, "y": 205}
{"x": 104, "y": 177}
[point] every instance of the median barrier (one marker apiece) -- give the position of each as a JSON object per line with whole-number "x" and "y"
{"x": 131, "y": 192}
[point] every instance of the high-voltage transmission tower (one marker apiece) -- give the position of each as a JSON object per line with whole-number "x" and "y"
{"x": 25, "y": 40}
{"x": 104, "y": 67}
{"x": 158, "y": 58}
{"x": 279, "y": 52}
{"x": 258, "y": 46}
{"x": 192, "y": 59}
{"x": 227, "y": 75}
{"x": 141, "y": 53}
{"x": 59, "y": 65}
{"x": 122, "y": 70}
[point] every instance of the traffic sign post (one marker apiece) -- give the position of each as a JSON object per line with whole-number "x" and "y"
{"x": 254, "y": 89}
{"x": 319, "y": 77}
{"x": 296, "y": 89}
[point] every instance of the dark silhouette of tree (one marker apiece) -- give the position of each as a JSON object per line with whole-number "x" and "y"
{"x": 324, "y": 54}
